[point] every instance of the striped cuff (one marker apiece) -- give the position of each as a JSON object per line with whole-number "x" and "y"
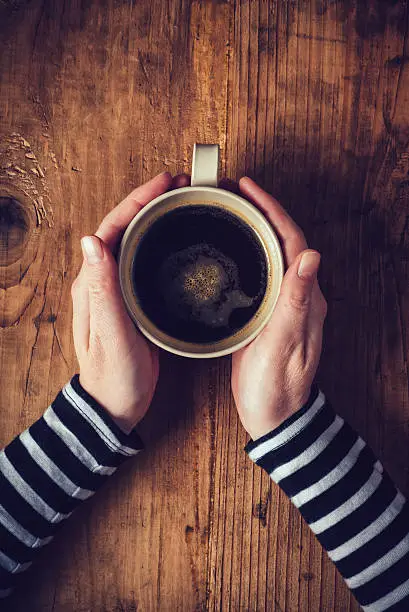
{"x": 115, "y": 438}
{"x": 61, "y": 460}
{"x": 289, "y": 428}
{"x": 341, "y": 490}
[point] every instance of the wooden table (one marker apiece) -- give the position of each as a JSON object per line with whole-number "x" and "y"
{"x": 312, "y": 100}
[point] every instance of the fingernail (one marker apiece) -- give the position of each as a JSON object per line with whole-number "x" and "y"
{"x": 91, "y": 248}
{"x": 309, "y": 264}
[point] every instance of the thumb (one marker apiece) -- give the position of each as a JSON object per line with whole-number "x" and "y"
{"x": 106, "y": 307}
{"x": 293, "y": 304}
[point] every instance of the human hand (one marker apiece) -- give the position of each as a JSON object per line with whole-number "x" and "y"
{"x": 272, "y": 376}
{"x": 118, "y": 367}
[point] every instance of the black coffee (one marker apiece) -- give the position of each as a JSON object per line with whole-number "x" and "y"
{"x": 200, "y": 273}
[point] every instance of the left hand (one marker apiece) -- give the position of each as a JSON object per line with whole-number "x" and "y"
{"x": 118, "y": 367}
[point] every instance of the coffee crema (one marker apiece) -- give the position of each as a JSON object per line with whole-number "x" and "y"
{"x": 199, "y": 273}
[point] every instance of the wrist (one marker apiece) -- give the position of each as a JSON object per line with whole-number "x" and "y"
{"x": 97, "y": 418}
{"x": 285, "y": 408}
{"x": 124, "y": 417}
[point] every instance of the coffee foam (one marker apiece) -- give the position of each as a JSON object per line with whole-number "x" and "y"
{"x": 202, "y": 284}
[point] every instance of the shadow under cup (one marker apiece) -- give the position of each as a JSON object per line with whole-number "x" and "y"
{"x": 200, "y": 273}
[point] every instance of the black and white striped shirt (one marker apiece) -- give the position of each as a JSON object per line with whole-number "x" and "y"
{"x": 49, "y": 469}
{"x": 319, "y": 461}
{"x": 347, "y": 499}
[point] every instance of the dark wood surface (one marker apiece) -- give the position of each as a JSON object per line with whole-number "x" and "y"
{"x": 312, "y": 100}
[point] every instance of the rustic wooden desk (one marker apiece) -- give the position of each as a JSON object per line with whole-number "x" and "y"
{"x": 312, "y": 100}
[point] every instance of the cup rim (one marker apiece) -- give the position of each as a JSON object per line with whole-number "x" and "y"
{"x": 205, "y": 351}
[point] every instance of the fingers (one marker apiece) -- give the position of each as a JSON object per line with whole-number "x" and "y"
{"x": 116, "y": 221}
{"x": 180, "y": 180}
{"x": 80, "y": 305}
{"x": 298, "y": 284}
{"x": 299, "y": 298}
{"x": 107, "y": 313}
{"x": 96, "y": 292}
{"x": 291, "y": 236}
{"x": 229, "y": 185}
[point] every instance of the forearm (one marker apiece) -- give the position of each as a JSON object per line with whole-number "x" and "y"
{"x": 341, "y": 490}
{"x": 47, "y": 471}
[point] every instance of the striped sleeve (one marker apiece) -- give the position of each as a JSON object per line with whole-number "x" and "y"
{"x": 347, "y": 499}
{"x": 61, "y": 460}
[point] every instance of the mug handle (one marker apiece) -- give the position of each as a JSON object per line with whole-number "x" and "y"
{"x": 205, "y": 165}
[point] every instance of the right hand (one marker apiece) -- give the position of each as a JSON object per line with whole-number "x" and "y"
{"x": 272, "y": 376}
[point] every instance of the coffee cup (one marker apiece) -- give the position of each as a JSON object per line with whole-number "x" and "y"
{"x": 200, "y": 268}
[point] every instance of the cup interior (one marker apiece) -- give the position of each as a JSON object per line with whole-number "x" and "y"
{"x": 200, "y": 271}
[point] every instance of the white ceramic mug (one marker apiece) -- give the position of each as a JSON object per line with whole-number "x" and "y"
{"x": 203, "y": 190}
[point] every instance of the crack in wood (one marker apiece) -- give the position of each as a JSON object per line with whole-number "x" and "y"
{"x": 38, "y": 325}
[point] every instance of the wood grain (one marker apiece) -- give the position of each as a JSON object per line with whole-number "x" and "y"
{"x": 312, "y": 100}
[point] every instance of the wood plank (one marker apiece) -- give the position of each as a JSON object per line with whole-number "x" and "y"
{"x": 318, "y": 126}
{"x": 311, "y": 99}
{"x": 118, "y": 91}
